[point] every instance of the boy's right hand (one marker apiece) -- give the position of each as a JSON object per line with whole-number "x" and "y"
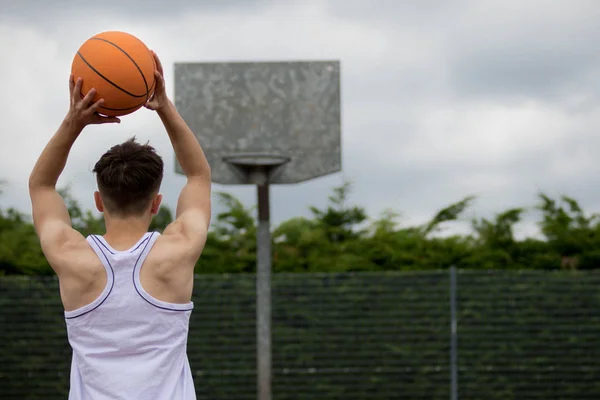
{"x": 83, "y": 110}
{"x": 159, "y": 99}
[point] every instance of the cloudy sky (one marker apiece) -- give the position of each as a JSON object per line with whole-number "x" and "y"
{"x": 440, "y": 99}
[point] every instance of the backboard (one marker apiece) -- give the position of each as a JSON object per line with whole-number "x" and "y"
{"x": 285, "y": 115}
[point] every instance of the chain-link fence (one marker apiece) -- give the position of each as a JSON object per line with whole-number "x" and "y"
{"x": 520, "y": 335}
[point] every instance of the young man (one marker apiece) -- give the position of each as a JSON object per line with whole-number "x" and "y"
{"x": 127, "y": 294}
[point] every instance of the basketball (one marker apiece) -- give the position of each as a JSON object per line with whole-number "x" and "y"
{"x": 121, "y": 69}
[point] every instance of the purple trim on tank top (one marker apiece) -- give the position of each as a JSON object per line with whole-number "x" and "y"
{"x": 111, "y": 285}
{"x": 135, "y": 266}
{"x": 142, "y": 242}
{"x": 102, "y": 243}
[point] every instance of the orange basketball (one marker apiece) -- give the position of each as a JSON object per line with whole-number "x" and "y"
{"x": 120, "y": 67}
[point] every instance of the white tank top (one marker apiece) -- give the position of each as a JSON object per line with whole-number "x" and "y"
{"x": 126, "y": 344}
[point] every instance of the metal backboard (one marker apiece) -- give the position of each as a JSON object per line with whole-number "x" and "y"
{"x": 266, "y": 111}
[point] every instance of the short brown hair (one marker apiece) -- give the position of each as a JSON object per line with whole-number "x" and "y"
{"x": 129, "y": 176}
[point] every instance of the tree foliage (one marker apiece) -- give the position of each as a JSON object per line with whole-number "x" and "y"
{"x": 342, "y": 237}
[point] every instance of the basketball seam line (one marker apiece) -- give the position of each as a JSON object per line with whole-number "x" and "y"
{"x": 128, "y": 108}
{"x": 132, "y": 60}
{"x": 108, "y": 80}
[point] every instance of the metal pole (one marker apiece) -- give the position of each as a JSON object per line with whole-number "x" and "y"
{"x": 263, "y": 293}
{"x": 453, "y": 337}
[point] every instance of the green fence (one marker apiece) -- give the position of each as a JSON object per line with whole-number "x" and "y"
{"x": 527, "y": 335}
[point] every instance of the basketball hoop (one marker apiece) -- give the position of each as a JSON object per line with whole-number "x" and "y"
{"x": 263, "y": 134}
{"x": 256, "y": 168}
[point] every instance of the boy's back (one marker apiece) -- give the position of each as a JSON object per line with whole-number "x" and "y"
{"x": 126, "y": 343}
{"x": 127, "y": 294}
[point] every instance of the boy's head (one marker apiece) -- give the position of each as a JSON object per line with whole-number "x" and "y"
{"x": 129, "y": 177}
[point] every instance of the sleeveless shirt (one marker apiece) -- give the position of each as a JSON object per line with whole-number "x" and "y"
{"x": 127, "y": 344}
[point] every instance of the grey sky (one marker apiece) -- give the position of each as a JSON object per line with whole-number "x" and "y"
{"x": 440, "y": 99}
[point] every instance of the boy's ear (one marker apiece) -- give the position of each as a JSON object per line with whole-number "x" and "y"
{"x": 98, "y": 201}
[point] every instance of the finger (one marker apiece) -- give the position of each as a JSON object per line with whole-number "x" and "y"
{"x": 160, "y": 80}
{"x": 76, "y": 93}
{"x": 88, "y": 98}
{"x": 150, "y": 100}
{"x": 94, "y": 107}
{"x": 71, "y": 84}
{"x": 159, "y": 66}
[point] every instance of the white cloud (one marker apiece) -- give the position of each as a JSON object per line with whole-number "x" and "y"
{"x": 495, "y": 99}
